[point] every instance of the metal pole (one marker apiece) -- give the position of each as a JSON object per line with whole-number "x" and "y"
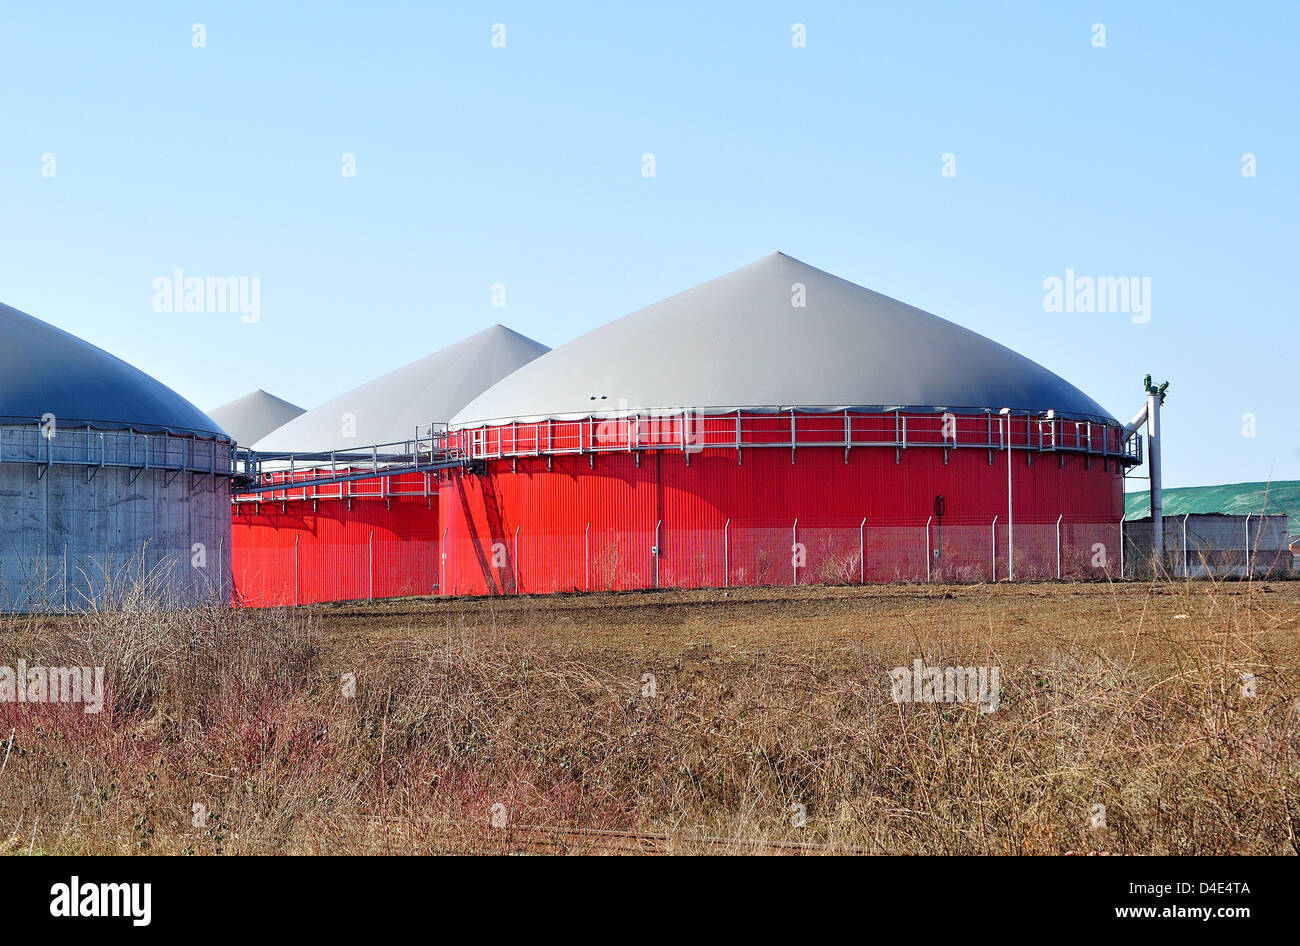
{"x": 295, "y": 570}
{"x": 658, "y": 523}
{"x": 372, "y": 564}
{"x": 442, "y": 564}
{"x": 1247, "y": 548}
{"x": 1121, "y": 546}
{"x": 726, "y": 555}
{"x": 995, "y": 548}
{"x": 514, "y": 561}
{"x": 862, "y": 552}
{"x": 1011, "y": 521}
{"x": 586, "y": 555}
{"x": 1058, "y": 546}
{"x": 1185, "y": 574}
{"x": 927, "y": 548}
{"x": 1157, "y": 495}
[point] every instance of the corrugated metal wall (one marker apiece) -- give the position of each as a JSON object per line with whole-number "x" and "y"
{"x": 296, "y": 553}
{"x": 533, "y": 526}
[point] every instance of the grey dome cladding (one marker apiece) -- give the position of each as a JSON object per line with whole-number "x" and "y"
{"x": 45, "y": 370}
{"x": 739, "y": 341}
{"x": 389, "y": 408}
{"x": 253, "y": 416}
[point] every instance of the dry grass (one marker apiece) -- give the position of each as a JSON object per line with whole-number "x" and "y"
{"x": 765, "y": 699}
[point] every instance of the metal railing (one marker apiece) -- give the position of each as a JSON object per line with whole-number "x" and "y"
{"x": 304, "y": 475}
{"x": 49, "y": 445}
{"x": 692, "y": 430}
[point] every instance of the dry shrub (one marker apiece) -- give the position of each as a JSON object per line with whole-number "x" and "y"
{"x": 292, "y": 743}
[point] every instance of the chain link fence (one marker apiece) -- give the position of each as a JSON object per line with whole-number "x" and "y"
{"x": 69, "y": 579}
{"x": 845, "y": 552}
{"x": 839, "y": 552}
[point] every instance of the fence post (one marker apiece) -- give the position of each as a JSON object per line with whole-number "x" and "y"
{"x": 862, "y": 552}
{"x": 586, "y": 555}
{"x": 295, "y": 570}
{"x": 515, "y": 560}
{"x": 927, "y": 548}
{"x": 726, "y": 554}
{"x": 995, "y": 549}
{"x": 1249, "y": 573}
{"x": 1121, "y": 546}
{"x": 1058, "y": 546}
{"x": 372, "y": 564}
{"x": 657, "y": 550}
{"x": 794, "y": 535}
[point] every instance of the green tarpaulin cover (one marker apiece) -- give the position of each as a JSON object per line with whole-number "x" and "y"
{"x": 1233, "y": 499}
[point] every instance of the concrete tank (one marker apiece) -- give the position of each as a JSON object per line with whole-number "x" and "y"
{"x": 111, "y": 484}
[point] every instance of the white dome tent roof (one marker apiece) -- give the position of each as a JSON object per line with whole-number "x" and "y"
{"x": 388, "y": 409}
{"x": 740, "y": 341}
{"x": 253, "y": 416}
{"x": 45, "y": 370}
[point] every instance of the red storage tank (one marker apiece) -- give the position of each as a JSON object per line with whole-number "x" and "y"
{"x": 779, "y": 425}
{"x": 373, "y": 537}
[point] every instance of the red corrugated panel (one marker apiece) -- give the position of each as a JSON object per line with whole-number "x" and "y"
{"x": 546, "y": 527}
{"x": 290, "y": 553}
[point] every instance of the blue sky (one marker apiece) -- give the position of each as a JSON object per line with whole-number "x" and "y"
{"x": 521, "y": 165}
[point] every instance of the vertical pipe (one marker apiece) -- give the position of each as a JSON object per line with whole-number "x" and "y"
{"x": 726, "y": 554}
{"x": 1157, "y": 494}
{"x": 514, "y": 561}
{"x": 65, "y": 577}
{"x": 442, "y": 564}
{"x": 295, "y": 571}
{"x": 862, "y": 552}
{"x": 1011, "y": 521}
{"x": 586, "y": 555}
{"x": 995, "y": 548}
{"x": 372, "y": 564}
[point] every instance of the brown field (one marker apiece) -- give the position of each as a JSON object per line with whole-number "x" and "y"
{"x": 771, "y": 727}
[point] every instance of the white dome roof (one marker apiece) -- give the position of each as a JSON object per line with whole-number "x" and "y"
{"x": 389, "y": 408}
{"x": 253, "y": 416}
{"x": 740, "y": 341}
